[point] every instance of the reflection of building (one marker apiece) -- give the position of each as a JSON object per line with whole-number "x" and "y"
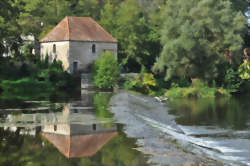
{"x": 75, "y": 130}
{"x": 78, "y": 140}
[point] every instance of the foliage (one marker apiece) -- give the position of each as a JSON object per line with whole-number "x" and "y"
{"x": 232, "y": 80}
{"x": 9, "y": 28}
{"x": 195, "y": 39}
{"x": 28, "y": 80}
{"x": 244, "y": 70}
{"x": 25, "y": 89}
{"x": 101, "y": 105}
{"x": 142, "y": 83}
{"x": 203, "y": 92}
{"x": 198, "y": 89}
{"x": 138, "y": 38}
{"x": 106, "y": 72}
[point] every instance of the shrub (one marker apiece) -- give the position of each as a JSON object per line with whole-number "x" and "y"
{"x": 192, "y": 92}
{"x": 232, "y": 80}
{"x": 25, "y": 88}
{"x": 106, "y": 72}
{"x": 244, "y": 70}
{"x": 198, "y": 89}
{"x": 142, "y": 83}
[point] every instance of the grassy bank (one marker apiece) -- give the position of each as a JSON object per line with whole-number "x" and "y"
{"x": 201, "y": 92}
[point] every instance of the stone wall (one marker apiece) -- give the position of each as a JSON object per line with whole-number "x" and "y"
{"x": 81, "y": 52}
{"x": 62, "y": 52}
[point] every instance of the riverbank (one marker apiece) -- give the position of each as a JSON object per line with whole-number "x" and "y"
{"x": 134, "y": 111}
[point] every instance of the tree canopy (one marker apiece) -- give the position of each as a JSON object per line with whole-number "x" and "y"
{"x": 198, "y": 36}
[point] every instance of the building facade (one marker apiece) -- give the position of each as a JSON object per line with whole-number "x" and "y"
{"x": 77, "y": 42}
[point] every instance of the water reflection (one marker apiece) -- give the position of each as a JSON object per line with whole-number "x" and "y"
{"x": 76, "y": 133}
{"x": 224, "y": 112}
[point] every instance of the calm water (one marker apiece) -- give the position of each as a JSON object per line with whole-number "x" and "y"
{"x": 222, "y": 126}
{"x": 78, "y": 132}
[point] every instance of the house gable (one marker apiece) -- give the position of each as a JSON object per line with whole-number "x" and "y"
{"x": 78, "y": 29}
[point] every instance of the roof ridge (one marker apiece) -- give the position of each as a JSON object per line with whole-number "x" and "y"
{"x": 102, "y": 28}
{"x": 68, "y": 27}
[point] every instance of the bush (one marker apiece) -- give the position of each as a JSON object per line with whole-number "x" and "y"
{"x": 232, "y": 80}
{"x": 198, "y": 89}
{"x": 143, "y": 83}
{"x": 32, "y": 80}
{"x": 24, "y": 88}
{"x": 106, "y": 72}
{"x": 244, "y": 70}
{"x": 192, "y": 92}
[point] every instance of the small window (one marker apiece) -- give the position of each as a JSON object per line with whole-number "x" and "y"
{"x": 93, "y": 48}
{"x": 94, "y": 127}
{"x": 75, "y": 67}
{"x": 55, "y": 127}
{"x": 54, "y": 48}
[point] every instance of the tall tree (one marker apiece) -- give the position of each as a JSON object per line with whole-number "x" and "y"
{"x": 9, "y": 28}
{"x": 138, "y": 44}
{"x": 38, "y": 17}
{"x": 195, "y": 36}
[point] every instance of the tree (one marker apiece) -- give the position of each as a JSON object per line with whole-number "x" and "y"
{"x": 195, "y": 36}
{"x": 37, "y": 17}
{"x": 106, "y": 74}
{"x": 240, "y": 5}
{"x": 138, "y": 41}
{"x": 9, "y": 28}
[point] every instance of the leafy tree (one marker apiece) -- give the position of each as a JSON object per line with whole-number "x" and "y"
{"x": 240, "y": 5}
{"x": 195, "y": 36}
{"x": 86, "y": 8}
{"x": 138, "y": 41}
{"x": 106, "y": 73}
{"x": 9, "y": 28}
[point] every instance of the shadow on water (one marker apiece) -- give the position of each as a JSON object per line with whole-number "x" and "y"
{"x": 79, "y": 132}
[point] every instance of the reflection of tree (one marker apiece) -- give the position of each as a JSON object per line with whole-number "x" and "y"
{"x": 226, "y": 112}
{"x": 101, "y": 104}
{"x": 19, "y": 150}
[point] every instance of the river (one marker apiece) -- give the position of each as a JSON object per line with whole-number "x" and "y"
{"x": 124, "y": 129}
{"x": 68, "y": 132}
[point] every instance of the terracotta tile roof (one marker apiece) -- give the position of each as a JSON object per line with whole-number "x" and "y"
{"x": 78, "y": 29}
{"x": 79, "y": 145}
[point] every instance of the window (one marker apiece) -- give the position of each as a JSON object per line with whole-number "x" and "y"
{"x": 94, "y": 127}
{"x": 93, "y": 48}
{"x": 55, "y": 127}
{"x": 75, "y": 67}
{"x": 54, "y": 48}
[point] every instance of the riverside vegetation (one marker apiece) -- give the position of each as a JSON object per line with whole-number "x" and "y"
{"x": 32, "y": 78}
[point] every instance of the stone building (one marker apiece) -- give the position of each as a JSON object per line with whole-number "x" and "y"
{"x": 77, "y": 42}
